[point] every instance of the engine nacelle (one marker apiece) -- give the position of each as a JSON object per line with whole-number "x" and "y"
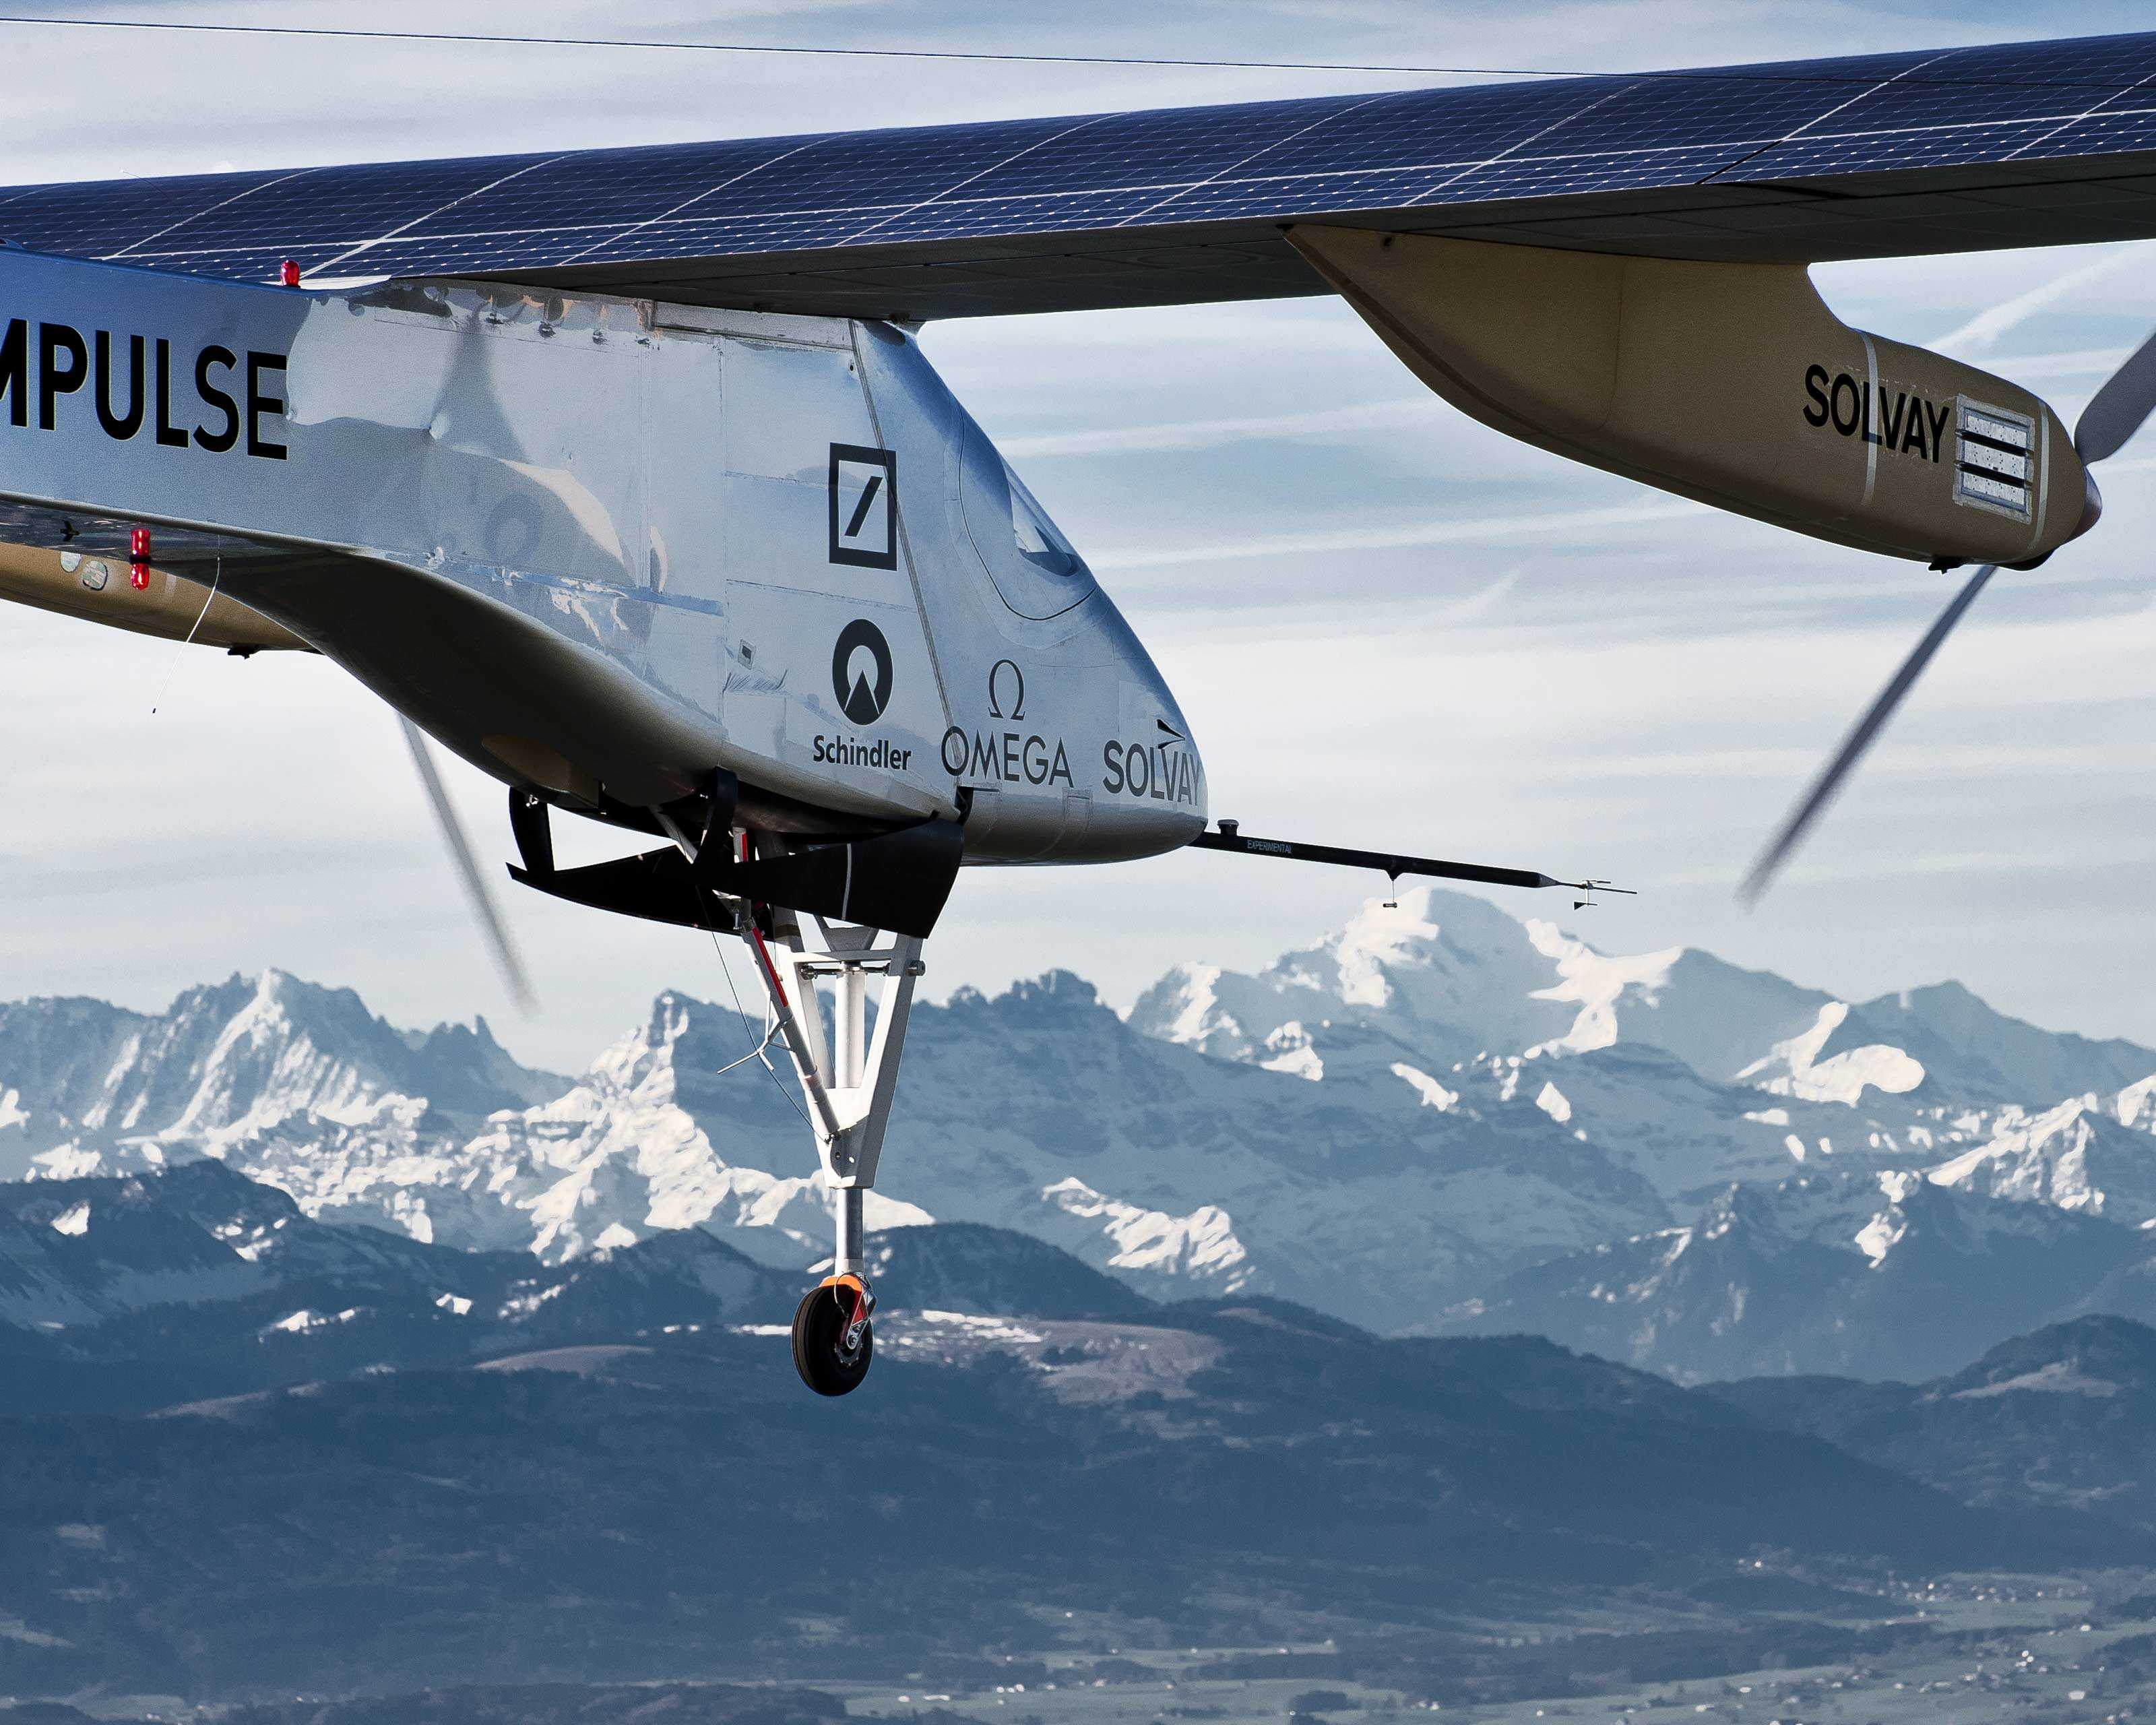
{"x": 1730, "y": 383}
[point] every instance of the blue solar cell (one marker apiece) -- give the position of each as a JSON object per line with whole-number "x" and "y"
{"x": 331, "y": 206}
{"x": 1554, "y": 176}
{"x": 1275, "y": 160}
{"x": 1883, "y": 152}
{"x": 103, "y": 219}
{"x": 2112, "y": 131}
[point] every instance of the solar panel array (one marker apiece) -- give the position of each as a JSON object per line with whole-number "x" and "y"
{"x": 1264, "y": 162}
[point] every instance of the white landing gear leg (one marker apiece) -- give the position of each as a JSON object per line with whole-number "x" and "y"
{"x": 848, "y": 1079}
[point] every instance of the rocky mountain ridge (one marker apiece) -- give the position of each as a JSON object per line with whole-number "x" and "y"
{"x": 2064, "y": 1417}
{"x": 1437, "y": 1118}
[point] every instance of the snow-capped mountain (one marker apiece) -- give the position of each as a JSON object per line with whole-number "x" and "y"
{"x": 2077, "y": 1156}
{"x": 79, "y": 1253}
{"x": 1434, "y": 1104}
{"x": 1143, "y": 1157}
{"x": 1879, "y": 1276}
{"x": 231, "y": 1061}
{"x": 1139, "y": 1156}
{"x": 1458, "y": 977}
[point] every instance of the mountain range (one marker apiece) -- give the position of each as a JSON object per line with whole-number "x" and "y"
{"x": 1438, "y": 1120}
{"x": 260, "y": 1455}
{"x": 2066, "y": 1416}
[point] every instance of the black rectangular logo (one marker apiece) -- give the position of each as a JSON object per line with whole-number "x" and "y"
{"x": 863, "y": 507}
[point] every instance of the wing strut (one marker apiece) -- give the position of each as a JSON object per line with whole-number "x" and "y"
{"x": 1232, "y": 838}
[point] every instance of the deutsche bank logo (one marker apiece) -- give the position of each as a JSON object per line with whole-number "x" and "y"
{"x": 863, "y": 507}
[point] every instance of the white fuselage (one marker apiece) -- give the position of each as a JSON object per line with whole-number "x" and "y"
{"x": 604, "y": 546}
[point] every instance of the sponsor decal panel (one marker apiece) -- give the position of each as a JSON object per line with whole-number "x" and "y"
{"x": 1161, "y": 770}
{"x": 1164, "y": 772}
{"x": 846, "y": 751}
{"x": 215, "y": 400}
{"x": 1994, "y": 460}
{"x": 861, "y": 679}
{"x": 1007, "y": 757}
{"x": 863, "y": 492}
{"x": 861, "y": 671}
{"x": 1897, "y": 420}
{"x": 1993, "y": 457}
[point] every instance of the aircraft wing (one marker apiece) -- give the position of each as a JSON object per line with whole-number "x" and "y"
{"x": 1884, "y": 155}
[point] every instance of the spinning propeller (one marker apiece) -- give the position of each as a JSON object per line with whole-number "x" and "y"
{"x": 485, "y": 911}
{"x": 2114, "y": 413}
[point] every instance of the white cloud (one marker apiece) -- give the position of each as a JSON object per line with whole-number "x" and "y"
{"x": 1423, "y": 414}
{"x": 1982, "y": 331}
{"x": 1440, "y": 530}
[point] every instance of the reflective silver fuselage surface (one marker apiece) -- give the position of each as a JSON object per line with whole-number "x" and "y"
{"x": 604, "y": 546}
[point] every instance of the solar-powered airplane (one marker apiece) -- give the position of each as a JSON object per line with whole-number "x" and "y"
{"x": 623, "y": 474}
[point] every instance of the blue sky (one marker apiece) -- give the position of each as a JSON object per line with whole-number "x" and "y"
{"x": 1386, "y": 625}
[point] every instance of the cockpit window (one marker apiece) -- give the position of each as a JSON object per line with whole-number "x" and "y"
{"x": 1033, "y": 565}
{"x": 1038, "y": 541}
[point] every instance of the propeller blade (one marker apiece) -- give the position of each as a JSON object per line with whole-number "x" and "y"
{"x": 484, "y": 909}
{"x": 2116, "y": 411}
{"x": 1828, "y": 783}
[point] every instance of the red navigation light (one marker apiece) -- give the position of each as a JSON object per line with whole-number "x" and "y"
{"x": 138, "y": 552}
{"x": 288, "y": 272}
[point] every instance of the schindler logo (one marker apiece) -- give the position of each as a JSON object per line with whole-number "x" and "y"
{"x": 861, "y": 671}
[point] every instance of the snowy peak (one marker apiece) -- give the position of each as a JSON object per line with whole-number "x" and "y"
{"x": 1421, "y": 1106}
{"x": 1879, "y": 1276}
{"x": 1800, "y": 1067}
{"x": 1452, "y": 966}
{"x": 2135, "y": 1106}
{"x": 2075, "y": 1157}
{"x": 232, "y": 1059}
{"x": 463, "y": 1072}
{"x": 1977, "y": 1054}
{"x": 1449, "y": 978}
{"x": 1597, "y": 985}
{"x": 1453, "y": 977}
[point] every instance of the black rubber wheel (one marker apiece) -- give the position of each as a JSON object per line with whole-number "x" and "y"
{"x": 819, "y": 1331}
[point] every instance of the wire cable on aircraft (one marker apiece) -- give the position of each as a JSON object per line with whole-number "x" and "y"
{"x": 784, "y": 1095}
{"x": 820, "y": 51}
{"x": 1775, "y": 75}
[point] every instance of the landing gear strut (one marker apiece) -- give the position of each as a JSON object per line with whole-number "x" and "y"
{"x": 848, "y": 1079}
{"x": 724, "y": 880}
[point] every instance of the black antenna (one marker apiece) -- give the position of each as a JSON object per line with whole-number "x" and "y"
{"x": 1232, "y": 838}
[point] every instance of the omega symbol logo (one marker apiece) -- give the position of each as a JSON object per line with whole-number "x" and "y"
{"x": 1001, "y": 688}
{"x": 861, "y": 671}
